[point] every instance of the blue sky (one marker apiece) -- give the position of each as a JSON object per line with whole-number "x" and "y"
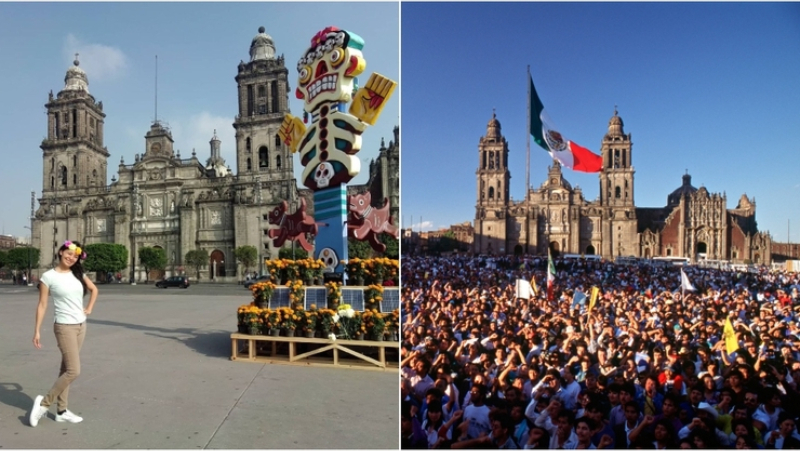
{"x": 713, "y": 88}
{"x": 199, "y": 46}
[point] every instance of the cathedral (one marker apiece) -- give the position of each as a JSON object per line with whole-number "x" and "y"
{"x": 177, "y": 203}
{"x": 694, "y": 223}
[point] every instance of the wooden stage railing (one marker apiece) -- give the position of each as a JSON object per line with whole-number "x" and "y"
{"x": 315, "y": 352}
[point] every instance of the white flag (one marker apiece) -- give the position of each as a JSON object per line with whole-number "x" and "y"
{"x": 524, "y": 289}
{"x": 685, "y": 284}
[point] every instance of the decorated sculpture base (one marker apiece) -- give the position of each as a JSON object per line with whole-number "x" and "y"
{"x": 330, "y": 213}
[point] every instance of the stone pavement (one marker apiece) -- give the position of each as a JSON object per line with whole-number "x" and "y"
{"x": 155, "y": 373}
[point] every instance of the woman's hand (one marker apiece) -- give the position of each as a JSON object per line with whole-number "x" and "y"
{"x": 36, "y": 342}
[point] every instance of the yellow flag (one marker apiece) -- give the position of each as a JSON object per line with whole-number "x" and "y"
{"x": 729, "y": 334}
{"x": 593, "y": 299}
{"x": 533, "y": 284}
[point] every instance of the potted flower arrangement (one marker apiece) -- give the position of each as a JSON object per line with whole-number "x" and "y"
{"x": 310, "y": 270}
{"x": 373, "y": 295}
{"x": 307, "y": 322}
{"x": 349, "y": 322}
{"x": 356, "y": 270}
{"x": 393, "y": 323}
{"x": 326, "y": 322}
{"x": 288, "y": 321}
{"x": 375, "y": 324}
{"x": 272, "y": 322}
{"x": 334, "y": 294}
{"x": 241, "y": 325}
{"x": 252, "y": 319}
{"x": 262, "y": 291}
{"x": 297, "y": 293}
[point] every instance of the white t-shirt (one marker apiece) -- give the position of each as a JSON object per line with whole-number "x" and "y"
{"x": 67, "y": 293}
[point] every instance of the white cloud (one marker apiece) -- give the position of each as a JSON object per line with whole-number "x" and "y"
{"x": 195, "y": 132}
{"x": 424, "y": 226}
{"x": 101, "y": 62}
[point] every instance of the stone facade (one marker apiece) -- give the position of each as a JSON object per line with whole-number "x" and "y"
{"x": 178, "y": 204}
{"x": 556, "y": 216}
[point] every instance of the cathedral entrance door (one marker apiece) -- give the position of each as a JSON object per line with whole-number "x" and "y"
{"x": 702, "y": 250}
{"x": 518, "y": 250}
{"x": 590, "y": 250}
{"x": 156, "y": 274}
{"x": 216, "y": 264}
{"x": 554, "y": 249}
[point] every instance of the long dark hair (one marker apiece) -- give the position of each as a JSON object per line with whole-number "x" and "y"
{"x": 76, "y": 268}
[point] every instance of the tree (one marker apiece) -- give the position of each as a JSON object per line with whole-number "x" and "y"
{"x": 358, "y": 249}
{"x": 447, "y": 243}
{"x": 152, "y": 258}
{"x": 104, "y": 258}
{"x": 286, "y": 252}
{"x": 392, "y": 246}
{"x": 3, "y": 258}
{"x": 22, "y": 258}
{"x": 247, "y": 256}
{"x": 197, "y": 259}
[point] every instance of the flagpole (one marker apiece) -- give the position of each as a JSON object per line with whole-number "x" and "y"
{"x": 528, "y": 139}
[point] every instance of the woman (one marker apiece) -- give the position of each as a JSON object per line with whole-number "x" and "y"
{"x": 434, "y": 420}
{"x": 68, "y": 285}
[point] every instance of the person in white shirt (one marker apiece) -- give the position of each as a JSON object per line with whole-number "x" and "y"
{"x": 68, "y": 285}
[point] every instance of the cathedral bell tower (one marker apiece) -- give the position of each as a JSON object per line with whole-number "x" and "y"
{"x": 263, "y": 101}
{"x": 493, "y": 188}
{"x": 73, "y": 153}
{"x": 618, "y": 221}
{"x": 616, "y": 177}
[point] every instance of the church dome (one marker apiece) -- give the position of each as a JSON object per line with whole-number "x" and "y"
{"x": 76, "y": 79}
{"x": 493, "y": 128}
{"x": 262, "y": 47}
{"x": 615, "y": 125}
{"x": 685, "y": 189}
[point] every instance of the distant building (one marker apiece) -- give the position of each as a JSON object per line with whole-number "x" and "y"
{"x": 7, "y": 242}
{"x": 694, "y": 223}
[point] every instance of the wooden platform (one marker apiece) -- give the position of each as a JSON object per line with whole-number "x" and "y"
{"x": 371, "y": 355}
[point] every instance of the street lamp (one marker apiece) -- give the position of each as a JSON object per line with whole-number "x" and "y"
{"x": 260, "y": 232}
{"x": 30, "y": 243}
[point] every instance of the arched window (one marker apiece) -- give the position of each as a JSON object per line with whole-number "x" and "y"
{"x": 491, "y": 160}
{"x": 483, "y": 165}
{"x": 262, "y": 91}
{"x": 278, "y": 162}
{"x": 249, "y": 164}
{"x": 491, "y": 192}
{"x": 52, "y": 182}
{"x": 247, "y": 145}
{"x": 497, "y": 160}
{"x": 52, "y": 164}
{"x": 74, "y": 161}
{"x": 64, "y": 175}
{"x": 617, "y": 192}
{"x": 669, "y": 252}
{"x": 94, "y": 173}
{"x": 277, "y": 141}
{"x": 263, "y": 157}
{"x": 74, "y": 179}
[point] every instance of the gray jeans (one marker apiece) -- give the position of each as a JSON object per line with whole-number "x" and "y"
{"x": 70, "y": 340}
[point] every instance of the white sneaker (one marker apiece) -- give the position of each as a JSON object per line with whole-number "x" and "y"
{"x": 37, "y": 412}
{"x": 68, "y": 417}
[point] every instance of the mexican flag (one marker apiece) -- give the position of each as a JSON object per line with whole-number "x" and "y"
{"x": 546, "y": 136}
{"x": 551, "y": 276}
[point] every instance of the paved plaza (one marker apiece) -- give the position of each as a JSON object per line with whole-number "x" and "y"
{"x": 155, "y": 373}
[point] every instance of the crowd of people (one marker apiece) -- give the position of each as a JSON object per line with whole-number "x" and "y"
{"x": 647, "y": 365}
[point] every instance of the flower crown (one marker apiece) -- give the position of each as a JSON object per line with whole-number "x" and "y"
{"x": 74, "y": 248}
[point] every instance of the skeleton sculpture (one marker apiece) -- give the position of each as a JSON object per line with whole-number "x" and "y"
{"x": 326, "y": 83}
